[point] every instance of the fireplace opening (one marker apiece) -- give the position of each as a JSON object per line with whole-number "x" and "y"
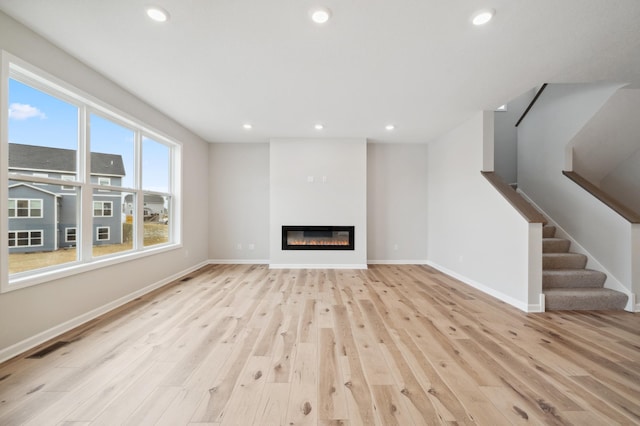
{"x": 318, "y": 238}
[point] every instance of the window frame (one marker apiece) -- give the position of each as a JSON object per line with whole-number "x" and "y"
{"x": 30, "y": 237}
{"x": 29, "y": 208}
{"x": 15, "y": 68}
{"x": 102, "y": 209}
{"x": 75, "y": 234}
{"x": 102, "y": 228}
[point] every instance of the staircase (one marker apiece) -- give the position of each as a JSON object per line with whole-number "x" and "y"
{"x": 567, "y": 285}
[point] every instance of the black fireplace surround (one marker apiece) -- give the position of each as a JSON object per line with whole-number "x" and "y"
{"x": 318, "y": 238}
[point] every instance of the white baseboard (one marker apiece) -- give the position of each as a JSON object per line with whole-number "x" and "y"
{"x": 38, "y": 339}
{"x": 238, "y": 261}
{"x": 488, "y": 290}
{"x": 398, "y": 262}
{"x": 317, "y": 266}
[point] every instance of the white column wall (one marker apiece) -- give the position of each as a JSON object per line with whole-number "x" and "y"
{"x": 318, "y": 182}
{"x": 474, "y": 233}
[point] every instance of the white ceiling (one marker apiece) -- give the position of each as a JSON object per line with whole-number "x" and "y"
{"x": 419, "y": 64}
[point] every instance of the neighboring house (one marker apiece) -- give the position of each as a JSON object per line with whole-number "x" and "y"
{"x": 42, "y": 217}
{"x": 154, "y": 207}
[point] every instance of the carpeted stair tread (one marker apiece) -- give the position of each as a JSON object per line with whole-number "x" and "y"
{"x": 563, "y": 261}
{"x": 591, "y": 299}
{"x": 555, "y": 245}
{"x": 548, "y": 231}
{"x": 572, "y": 278}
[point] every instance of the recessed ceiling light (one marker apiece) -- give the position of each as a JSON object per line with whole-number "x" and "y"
{"x": 318, "y": 126}
{"x": 483, "y": 16}
{"x": 247, "y": 126}
{"x": 158, "y": 14}
{"x": 320, "y": 15}
{"x": 389, "y": 127}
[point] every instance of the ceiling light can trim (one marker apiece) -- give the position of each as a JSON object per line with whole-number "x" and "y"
{"x": 320, "y": 15}
{"x": 157, "y": 13}
{"x": 481, "y": 17}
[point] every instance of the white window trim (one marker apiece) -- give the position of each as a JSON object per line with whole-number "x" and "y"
{"x": 68, "y": 178}
{"x": 103, "y": 203}
{"x": 40, "y": 175}
{"x": 75, "y": 234}
{"x": 104, "y": 181}
{"x": 102, "y": 228}
{"x": 29, "y": 231}
{"x": 29, "y": 200}
{"x": 11, "y": 66}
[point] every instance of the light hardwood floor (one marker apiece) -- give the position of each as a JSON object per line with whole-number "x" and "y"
{"x": 391, "y": 345}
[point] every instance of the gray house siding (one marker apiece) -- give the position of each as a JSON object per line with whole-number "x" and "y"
{"x": 113, "y": 222}
{"x": 60, "y": 211}
{"x": 18, "y": 226}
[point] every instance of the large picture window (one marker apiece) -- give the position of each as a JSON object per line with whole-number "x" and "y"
{"x": 71, "y": 157}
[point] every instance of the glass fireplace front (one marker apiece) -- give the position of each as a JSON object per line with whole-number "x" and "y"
{"x": 318, "y": 237}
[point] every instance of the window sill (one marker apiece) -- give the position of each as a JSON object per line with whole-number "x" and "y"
{"x": 36, "y": 277}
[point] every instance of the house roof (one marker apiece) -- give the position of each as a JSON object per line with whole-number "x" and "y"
{"x": 31, "y": 157}
{"x": 420, "y": 65}
{"x": 35, "y": 188}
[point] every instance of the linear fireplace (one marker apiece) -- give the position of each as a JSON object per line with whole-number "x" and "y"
{"x": 318, "y": 238}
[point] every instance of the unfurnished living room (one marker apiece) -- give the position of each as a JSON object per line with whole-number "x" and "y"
{"x": 319, "y": 212}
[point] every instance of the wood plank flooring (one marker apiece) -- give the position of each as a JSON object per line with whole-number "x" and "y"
{"x": 391, "y": 345}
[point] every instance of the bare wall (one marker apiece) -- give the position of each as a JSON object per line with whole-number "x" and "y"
{"x": 397, "y": 203}
{"x": 239, "y": 202}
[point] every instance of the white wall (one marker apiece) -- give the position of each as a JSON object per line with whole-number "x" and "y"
{"x": 506, "y": 137}
{"x": 29, "y": 314}
{"x": 397, "y": 203}
{"x": 560, "y": 112}
{"x": 474, "y": 233}
{"x": 239, "y": 202}
{"x": 610, "y": 137}
{"x": 341, "y": 200}
{"x": 623, "y": 183}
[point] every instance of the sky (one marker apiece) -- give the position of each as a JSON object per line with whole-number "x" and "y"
{"x": 36, "y": 118}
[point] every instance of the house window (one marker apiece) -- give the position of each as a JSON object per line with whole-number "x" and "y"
{"x": 102, "y": 208}
{"x": 102, "y": 233}
{"x": 25, "y": 238}
{"x": 68, "y": 178}
{"x": 94, "y": 157}
{"x": 43, "y": 175}
{"x": 70, "y": 235}
{"x": 25, "y": 208}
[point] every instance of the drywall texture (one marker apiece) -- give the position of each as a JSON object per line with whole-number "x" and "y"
{"x": 473, "y": 231}
{"x": 623, "y": 183}
{"x": 610, "y": 137}
{"x": 26, "y": 313}
{"x": 239, "y": 202}
{"x": 506, "y": 137}
{"x": 559, "y": 114}
{"x": 318, "y": 182}
{"x": 397, "y": 203}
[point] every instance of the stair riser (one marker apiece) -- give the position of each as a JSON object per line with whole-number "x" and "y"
{"x": 555, "y": 246}
{"x": 585, "y": 303}
{"x": 548, "y": 231}
{"x": 573, "y": 279}
{"x": 564, "y": 261}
